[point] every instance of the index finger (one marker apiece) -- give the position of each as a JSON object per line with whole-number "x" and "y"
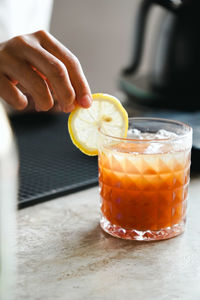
{"x": 76, "y": 75}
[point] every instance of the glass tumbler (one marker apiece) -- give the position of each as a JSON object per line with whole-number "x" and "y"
{"x": 144, "y": 179}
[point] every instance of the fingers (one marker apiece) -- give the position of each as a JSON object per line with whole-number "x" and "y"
{"x": 43, "y": 66}
{"x": 76, "y": 75}
{"x": 11, "y": 94}
{"x": 57, "y": 75}
{"x": 31, "y": 82}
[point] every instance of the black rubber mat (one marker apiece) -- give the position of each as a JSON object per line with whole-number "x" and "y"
{"x": 50, "y": 165}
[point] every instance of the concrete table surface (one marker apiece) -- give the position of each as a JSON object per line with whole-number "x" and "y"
{"x": 63, "y": 254}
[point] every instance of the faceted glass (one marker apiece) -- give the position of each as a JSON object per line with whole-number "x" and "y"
{"x": 144, "y": 179}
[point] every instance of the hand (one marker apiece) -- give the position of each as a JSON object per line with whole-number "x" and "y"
{"x": 38, "y": 65}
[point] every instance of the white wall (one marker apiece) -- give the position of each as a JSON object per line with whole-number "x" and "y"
{"x": 99, "y": 32}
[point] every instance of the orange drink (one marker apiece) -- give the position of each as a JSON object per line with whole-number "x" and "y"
{"x": 144, "y": 179}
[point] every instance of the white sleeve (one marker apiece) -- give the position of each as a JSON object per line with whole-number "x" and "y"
{"x": 23, "y": 16}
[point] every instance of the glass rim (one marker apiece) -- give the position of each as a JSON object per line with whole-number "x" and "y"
{"x": 137, "y": 140}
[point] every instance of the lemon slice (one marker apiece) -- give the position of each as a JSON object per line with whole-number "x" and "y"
{"x": 106, "y": 113}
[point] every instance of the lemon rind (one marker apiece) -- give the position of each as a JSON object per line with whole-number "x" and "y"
{"x": 96, "y": 96}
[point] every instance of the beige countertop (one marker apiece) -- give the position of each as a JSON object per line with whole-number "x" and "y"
{"x": 63, "y": 254}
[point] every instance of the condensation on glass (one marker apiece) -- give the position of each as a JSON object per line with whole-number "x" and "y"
{"x": 144, "y": 179}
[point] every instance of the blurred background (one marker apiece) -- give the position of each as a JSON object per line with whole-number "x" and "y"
{"x": 100, "y": 34}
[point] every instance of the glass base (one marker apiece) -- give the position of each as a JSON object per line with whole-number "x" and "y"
{"x": 148, "y": 235}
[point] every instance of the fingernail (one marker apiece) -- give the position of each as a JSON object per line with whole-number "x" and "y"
{"x": 86, "y": 101}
